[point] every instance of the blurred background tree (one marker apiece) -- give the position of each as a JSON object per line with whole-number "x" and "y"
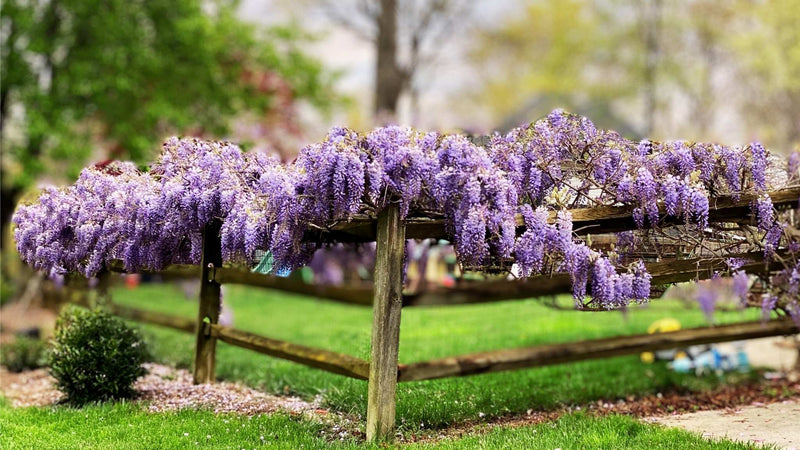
{"x": 701, "y": 69}
{"x": 119, "y": 75}
{"x": 407, "y": 37}
{"x": 769, "y": 48}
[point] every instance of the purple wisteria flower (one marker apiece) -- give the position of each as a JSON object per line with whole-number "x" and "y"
{"x": 741, "y": 286}
{"x": 260, "y": 206}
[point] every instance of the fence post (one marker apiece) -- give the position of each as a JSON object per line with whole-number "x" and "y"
{"x": 387, "y": 304}
{"x": 208, "y": 311}
{"x": 102, "y": 292}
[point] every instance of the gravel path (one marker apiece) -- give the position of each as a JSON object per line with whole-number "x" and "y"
{"x": 162, "y": 389}
{"x": 776, "y": 423}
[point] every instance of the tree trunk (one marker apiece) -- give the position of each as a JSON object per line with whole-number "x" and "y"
{"x": 652, "y": 24}
{"x": 8, "y": 199}
{"x": 389, "y": 78}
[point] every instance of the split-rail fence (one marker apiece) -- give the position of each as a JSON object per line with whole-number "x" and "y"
{"x": 387, "y": 299}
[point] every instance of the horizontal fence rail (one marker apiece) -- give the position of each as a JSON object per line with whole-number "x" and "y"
{"x": 329, "y": 361}
{"x": 82, "y": 298}
{"x": 355, "y": 295}
{"x": 171, "y": 272}
{"x": 463, "y": 365}
{"x": 469, "y": 292}
{"x": 545, "y": 355}
{"x": 338, "y": 363}
{"x": 663, "y": 272}
{"x": 599, "y": 219}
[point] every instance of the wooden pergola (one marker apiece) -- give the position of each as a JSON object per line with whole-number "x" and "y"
{"x": 387, "y": 299}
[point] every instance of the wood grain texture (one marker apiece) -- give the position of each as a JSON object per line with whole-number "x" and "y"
{"x": 543, "y": 355}
{"x": 663, "y": 272}
{"x": 386, "y": 324}
{"x": 171, "y": 272}
{"x": 164, "y": 320}
{"x": 84, "y": 298}
{"x": 603, "y": 219}
{"x": 209, "y": 307}
{"x": 329, "y": 361}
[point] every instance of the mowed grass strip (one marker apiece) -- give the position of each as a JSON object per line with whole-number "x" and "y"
{"x": 428, "y": 333}
{"x": 579, "y": 431}
{"x": 124, "y": 425}
{"x": 127, "y": 426}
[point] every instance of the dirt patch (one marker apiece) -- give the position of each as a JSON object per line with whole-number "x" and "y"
{"x": 18, "y": 316}
{"x": 162, "y": 389}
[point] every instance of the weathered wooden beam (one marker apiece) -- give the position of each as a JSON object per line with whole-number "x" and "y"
{"x": 355, "y": 295}
{"x": 83, "y": 297}
{"x": 386, "y": 324}
{"x": 209, "y": 307}
{"x": 663, "y": 272}
{"x": 164, "y": 320}
{"x": 543, "y": 355}
{"x": 602, "y": 219}
{"x": 329, "y": 361}
{"x": 172, "y": 271}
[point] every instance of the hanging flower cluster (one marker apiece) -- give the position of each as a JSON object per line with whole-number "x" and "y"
{"x": 154, "y": 218}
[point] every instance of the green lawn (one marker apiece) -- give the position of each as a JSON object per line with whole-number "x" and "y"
{"x": 578, "y": 431}
{"x": 428, "y": 333}
{"x": 127, "y": 426}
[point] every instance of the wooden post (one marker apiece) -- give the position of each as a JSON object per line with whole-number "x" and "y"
{"x": 102, "y": 292}
{"x": 387, "y": 304}
{"x": 208, "y": 312}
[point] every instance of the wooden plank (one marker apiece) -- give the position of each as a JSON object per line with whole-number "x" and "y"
{"x": 172, "y": 271}
{"x": 543, "y": 355}
{"x": 386, "y": 324}
{"x": 467, "y": 292}
{"x": 663, "y": 272}
{"x": 164, "y": 320}
{"x": 83, "y": 297}
{"x": 354, "y": 295}
{"x": 329, "y": 361}
{"x": 209, "y": 307}
{"x": 603, "y": 219}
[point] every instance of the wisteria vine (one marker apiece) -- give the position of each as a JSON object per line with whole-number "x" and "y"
{"x": 149, "y": 219}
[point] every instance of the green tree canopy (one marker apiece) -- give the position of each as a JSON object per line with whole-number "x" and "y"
{"x": 122, "y": 74}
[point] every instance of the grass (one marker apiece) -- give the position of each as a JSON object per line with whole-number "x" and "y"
{"x": 428, "y": 333}
{"x": 582, "y": 431}
{"x": 126, "y": 426}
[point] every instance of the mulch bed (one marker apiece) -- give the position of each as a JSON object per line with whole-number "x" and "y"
{"x": 162, "y": 389}
{"x": 727, "y": 397}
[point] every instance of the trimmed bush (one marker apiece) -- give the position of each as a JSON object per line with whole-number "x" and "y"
{"x": 95, "y": 356}
{"x": 24, "y": 353}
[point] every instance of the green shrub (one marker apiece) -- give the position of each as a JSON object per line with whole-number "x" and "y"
{"x": 95, "y": 356}
{"x": 24, "y": 353}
